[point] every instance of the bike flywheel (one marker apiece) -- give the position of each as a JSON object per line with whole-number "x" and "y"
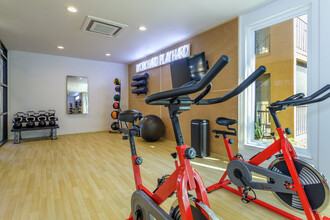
{"x": 197, "y": 214}
{"x": 314, "y": 183}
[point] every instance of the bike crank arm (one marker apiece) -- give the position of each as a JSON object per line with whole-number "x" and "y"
{"x": 239, "y": 172}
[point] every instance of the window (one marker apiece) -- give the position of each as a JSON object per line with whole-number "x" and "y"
{"x": 288, "y": 75}
{"x": 262, "y": 117}
{"x": 291, "y": 63}
{"x": 262, "y": 41}
{"x": 3, "y": 95}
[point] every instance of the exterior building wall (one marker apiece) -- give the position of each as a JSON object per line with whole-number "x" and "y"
{"x": 280, "y": 63}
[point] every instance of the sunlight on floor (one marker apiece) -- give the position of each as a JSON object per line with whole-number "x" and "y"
{"x": 221, "y": 169}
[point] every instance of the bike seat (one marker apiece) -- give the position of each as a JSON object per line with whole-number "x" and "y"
{"x": 225, "y": 121}
{"x": 130, "y": 116}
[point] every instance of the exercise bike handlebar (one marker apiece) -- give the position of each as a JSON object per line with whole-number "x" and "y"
{"x": 240, "y": 88}
{"x": 295, "y": 96}
{"x": 298, "y": 99}
{"x": 163, "y": 98}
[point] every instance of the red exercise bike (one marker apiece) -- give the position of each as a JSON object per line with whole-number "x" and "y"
{"x": 295, "y": 182}
{"x": 146, "y": 204}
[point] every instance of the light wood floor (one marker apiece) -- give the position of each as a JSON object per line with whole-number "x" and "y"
{"x": 89, "y": 176}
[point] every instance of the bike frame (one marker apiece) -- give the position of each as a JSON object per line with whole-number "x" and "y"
{"x": 184, "y": 177}
{"x": 283, "y": 146}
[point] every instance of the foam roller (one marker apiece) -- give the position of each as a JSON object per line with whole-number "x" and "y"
{"x": 140, "y": 76}
{"x": 139, "y": 83}
{"x": 141, "y": 90}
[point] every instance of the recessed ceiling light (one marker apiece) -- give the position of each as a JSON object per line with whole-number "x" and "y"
{"x": 72, "y": 9}
{"x": 142, "y": 28}
{"x": 60, "y": 47}
{"x": 108, "y": 54}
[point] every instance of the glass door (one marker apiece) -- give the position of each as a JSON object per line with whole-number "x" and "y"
{"x": 3, "y": 95}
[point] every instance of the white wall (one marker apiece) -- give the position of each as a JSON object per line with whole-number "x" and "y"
{"x": 38, "y": 82}
{"x": 324, "y": 110}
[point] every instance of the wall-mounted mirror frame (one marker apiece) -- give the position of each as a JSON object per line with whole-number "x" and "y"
{"x": 76, "y": 94}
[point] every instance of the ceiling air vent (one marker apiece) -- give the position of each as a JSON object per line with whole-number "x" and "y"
{"x": 103, "y": 27}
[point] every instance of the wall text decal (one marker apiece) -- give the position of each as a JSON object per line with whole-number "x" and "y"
{"x": 164, "y": 58}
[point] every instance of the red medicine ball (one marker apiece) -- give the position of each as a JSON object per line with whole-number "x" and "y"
{"x": 115, "y": 105}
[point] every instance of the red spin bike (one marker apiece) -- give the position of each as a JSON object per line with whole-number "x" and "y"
{"x": 146, "y": 204}
{"x": 295, "y": 182}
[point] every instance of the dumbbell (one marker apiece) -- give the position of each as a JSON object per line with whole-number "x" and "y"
{"x": 17, "y": 121}
{"x": 42, "y": 121}
{"x": 42, "y": 113}
{"x": 51, "y": 112}
{"x": 52, "y": 120}
{"x": 30, "y": 121}
{"x": 31, "y": 113}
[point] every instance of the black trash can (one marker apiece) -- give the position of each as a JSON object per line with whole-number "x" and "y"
{"x": 200, "y": 137}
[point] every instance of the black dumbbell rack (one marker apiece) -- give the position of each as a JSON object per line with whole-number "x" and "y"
{"x": 24, "y": 118}
{"x": 119, "y": 110}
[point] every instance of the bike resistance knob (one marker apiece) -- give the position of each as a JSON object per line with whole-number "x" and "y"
{"x": 190, "y": 153}
{"x": 138, "y": 161}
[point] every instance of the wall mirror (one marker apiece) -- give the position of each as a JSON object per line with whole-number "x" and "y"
{"x": 77, "y": 94}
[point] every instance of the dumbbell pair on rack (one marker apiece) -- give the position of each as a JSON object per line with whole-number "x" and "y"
{"x": 31, "y": 117}
{"x": 18, "y": 119}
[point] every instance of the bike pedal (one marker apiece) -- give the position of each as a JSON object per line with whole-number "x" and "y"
{"x": 160, "y": 181}
{"x": 246, "y": 198}
{"x": 239, "y": 156}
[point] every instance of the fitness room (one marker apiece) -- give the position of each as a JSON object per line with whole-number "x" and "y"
{"x": 164, "y": 109}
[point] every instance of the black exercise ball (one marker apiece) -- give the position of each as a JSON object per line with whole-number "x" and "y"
{"x": 115, "y": 126}
{"x": 117, "y": 88}
{"x": 152, "y": 128}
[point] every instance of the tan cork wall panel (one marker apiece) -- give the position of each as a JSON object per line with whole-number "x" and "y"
{"x": 215, "y": 42}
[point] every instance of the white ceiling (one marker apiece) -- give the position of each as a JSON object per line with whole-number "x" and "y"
{"x": 41, "y": 25}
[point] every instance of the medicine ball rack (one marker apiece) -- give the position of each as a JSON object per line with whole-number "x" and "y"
{"x": 116, "y": 125}
{"x": 31, "y": 121}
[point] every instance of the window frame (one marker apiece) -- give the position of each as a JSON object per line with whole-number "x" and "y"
{"x": 269, "y": 15}
{"x": 4, "y": 98}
